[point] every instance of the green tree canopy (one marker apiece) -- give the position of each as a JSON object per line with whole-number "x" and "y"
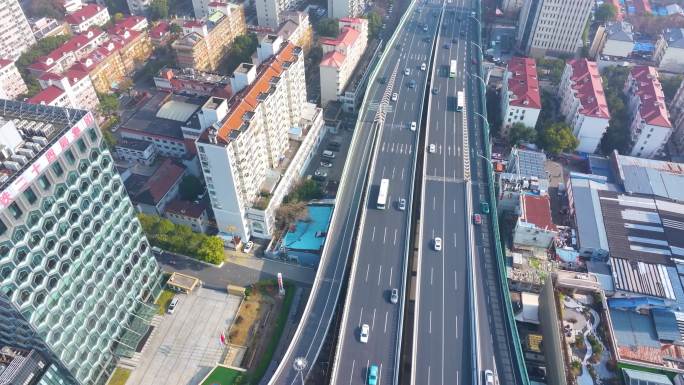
{"x": 305, "y": 190}
{"x": 109, "y": 103}
{"x": 617, "y": 134}
{"x": 190, "y": 188}
{"x": 159, "y": 9}
{"x": 328, "y": 27}
{"x": 520, "y": 133}
{"x": 605, "y": 12}
{"x": 211, "y": 250}
{"x": 240, "y": 51}
{"x": 374, "y": 23}
{"x": 175, "y": 28}
{"x": 670, "y": 86}
{"x": 557, "y": 138}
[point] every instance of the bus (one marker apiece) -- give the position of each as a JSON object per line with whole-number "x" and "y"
{"x": 452, "y": 69}
{"x": 460, "y": 100}
{"x": 382, "y": 194}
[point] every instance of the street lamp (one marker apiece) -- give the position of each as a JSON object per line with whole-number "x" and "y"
{"x": 484, "y": 84}
{"x": 476, "y": 19}
{"x": 478, "y": 46}
{"x": 299, "y": 365}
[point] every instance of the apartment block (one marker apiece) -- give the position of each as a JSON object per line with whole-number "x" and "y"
{"x": 138, "y": 7}
{"x": 296, "y": 28}
{"x": 651, "y": 128}
{"x": 550, "y": 27}
{"x": 677, "y": 116}
{"x": 253, "y": 156}
{"x": 16, "y": 35}
{"x": 338, "y": 9}
{"x": 583, "y": 103}
{"x": 615, "y": 40}
{"x": 63, "y": 57}
{"x": 269, "y": 12}
{"x": 340, "y": 57}
{"x": 104, "y": 65}
{"x": 669, "y": 51}
{"x": 189, "y": 81}
{"x": 205, "y": 42}
{"x": 11, "y": 82}
{"x": 160, "y": 34}
{"x": 72, "y": 89}
{"x": 46, "y": 27}
{"x": 91, "y": 15}
{"x": 134, "y": 47}
{"x": 520, "y": 99}
{"x": 77, "y": 276}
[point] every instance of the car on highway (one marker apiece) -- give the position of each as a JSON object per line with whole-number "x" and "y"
{"x": 318, "y": 178}
{"x": 407, "y": 71}
{"x": 373, "y": 375}
{"x": 412, "y": 84}
{"x": 248, "y": 247}
{"x": 423, "y": 67}
{"x": 394, "y": 296}
{"x": 326, "y": 164}
{"x": 446, "y": 45}
{"x": 477, "y": 219}
{"x": 438, "y": 243}
{"x": 431, "y": 148}
{"x": 454, "y": 40}
{"x": 435, "y": 91}
{"x": 425, "y": 28}
{"x": 413, "y": 126}
{"x": 484, "y": 207}
{"x": 328, "y": 154}
{"x": 365, "y": 330}
{"x": 395, "y": 96}
{"x": 474, "y": 61}
{"x": 401, "y": 204}
{"x": 488, "y": 377}
{"x": 321, "y": 173}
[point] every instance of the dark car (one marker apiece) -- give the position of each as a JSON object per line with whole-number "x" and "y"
{"x": 446, "y": 45}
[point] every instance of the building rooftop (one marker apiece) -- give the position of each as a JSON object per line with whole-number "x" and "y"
{"x": 591, "y": 232}
{"x": 536, "y": 209}
{"x": 346, "y": 38}
{"x": 85, "y": 13}
{"x": 333, "y": 59}
{"x": 638, "y": 377}
{"x": 150, "y": 190}
{"x": 159, "y": 30}
{"x": 20, "y": 366}
{"x": 588, "y": 88}
{"x": 163, "y": 115}
{"x": 620, "y": 30}
{"x": 523, "y": 84}
{"x": 674, "y": 37}
{"x": 46, "y": 96}
{"x": 133, "y": 23}
{"x": 527, "y": 163}
{"x": 74, "y": 44}
{"x": 133, "y": 144}
{"x": 649, "y": 176}
{"x": 650, "y": 92}
{"x": 310, "y": 235}
{"x": 185, "y": 208}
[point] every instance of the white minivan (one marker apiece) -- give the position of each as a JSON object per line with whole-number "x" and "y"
{"x": 172, "y": 305}
{"x": 423, "y": 67}
{"x": 413, "y": 126}
{"x": 328, "y": 154}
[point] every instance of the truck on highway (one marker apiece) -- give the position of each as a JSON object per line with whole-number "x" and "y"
{"x": 460, "y": 100}
{"x": 452, "y": 69}
{"x": 382, "y": 194}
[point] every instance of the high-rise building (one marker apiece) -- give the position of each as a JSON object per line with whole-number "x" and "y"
{"x": 583, "y": 103}
{"x": 77, "y": 275}
{"x": 552, "y": 27}
{"x": 677, "y": 116}
{"x": 11, "y": 82}
{"x": 651, "y": 127}
{"x": 253, "y": 156}
{"x": 15, "y": 32}
{"x": 269, "y": 11}
{"x": 338, "y": 9}
{"x": 138, "y": 7}
{"x": 520, "y": 99}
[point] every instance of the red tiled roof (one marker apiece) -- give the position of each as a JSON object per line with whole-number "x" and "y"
{"x": 85, "y": 13}
{"x": 74, "y": 75}
{"x": 50, "y": 76}
{"x": 75, "y": 43}
{"x": 619, "y": 16}
{"x": 537, "y": 210}
{"x": 159, "y": 184}
{"x": 523, "y": 83}
{"x": 193, "y": 24}
{"x": 246, "y": 100}
{"x": 333, "y": 59}
{"x": 588, "y": 88}
{"x": 159, "y": 29}
{"x": 185, "y": 208}
{"x": 354, "y": 20}
{"x": 127, "y": 23}
{"x": 46, "y": 96}
{"x": 347, "y": 37}
{"x": 4, "y": 63}
{"x": 652, "y": 108}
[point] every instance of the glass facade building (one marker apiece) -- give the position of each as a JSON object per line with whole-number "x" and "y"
{"x": 77, "y": 275}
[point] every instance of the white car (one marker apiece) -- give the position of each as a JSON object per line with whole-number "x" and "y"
{"x": 438, "y": 243}
{"x": 431, "y": 148}
{"x": 407, "y": 72}
{"x": 394, "y": 296}
{"x": 413, "y": 126}
{"x": 401, "y": 204}
{"x": 395, "y": 96}
{"x": 321, "y": 173}
{"x": 488, "y": 377}
{"x": 248, "y": 247}
{"x": 365, "y": 330}
{"x": 172, "y": 305}
{"x": 423, "y": 67}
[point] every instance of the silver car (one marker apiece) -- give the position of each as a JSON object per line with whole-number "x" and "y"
{"x": 394, "y": 296}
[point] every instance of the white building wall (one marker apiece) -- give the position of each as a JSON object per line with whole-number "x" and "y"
{"x": 330, "y": 77}
{"x": 649, "y": 140}
{"x": 16, "y": 36}
{"x": 138, "y": 7}
{"x": 617, "y": 48}
{"x": 672, "y": 60}
{"x": 556, "y": 26}
{"x": 527, "y": 234}
{"x": 11, "y": 82}
{"x": 589, "y": 130}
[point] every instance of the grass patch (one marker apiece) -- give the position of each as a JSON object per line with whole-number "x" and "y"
{"x": 222, "y": 376}
{"x": 164, "y": 299}
{"x": 119, "y": 377}
{"x": 267, "y": 355}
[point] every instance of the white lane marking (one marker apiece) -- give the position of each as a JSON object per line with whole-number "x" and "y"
{"x": 393, "y": 170}
{"x": 454, "y": 239}
{"x": 384, "y": 237}
{"x": 373, "y": 321}
{"x": 457, "y": 326}
{"x": 432, "y": 270}
{"x": 402, "y": 173}
{"x": 380, "y": 373}
{"x": 360, "y": 316}
{"x": 455, "y": 281}
{"x": 390, "y": 277}
{"x": 351, "y": 373}
{"x": 454, "y": 206}
{"x": 379, "y": 275}
{"x": 385, "y": 330}
{"x": 367, "y": 270}
{"x": 430, "y": 323}
{"x": 383, "y": 168}
{"x": 428, "y": 379}
{"x": 373, "y": 234}
{"x": 434, "y": 201}
{"x": 395, "y": 236}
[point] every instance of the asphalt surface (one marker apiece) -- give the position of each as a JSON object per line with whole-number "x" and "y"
{"x": 442, "y": 352}
{"x": 380, "y": 258}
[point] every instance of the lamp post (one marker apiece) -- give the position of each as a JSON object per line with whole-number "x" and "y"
{"x": 478, "y": 47}
{"x": 484, "y": 84}
{"x": 299, "y": 365}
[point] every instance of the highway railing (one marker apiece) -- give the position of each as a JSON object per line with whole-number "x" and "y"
{"x": 517, "y": 353}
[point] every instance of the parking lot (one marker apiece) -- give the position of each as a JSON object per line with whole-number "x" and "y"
{"x": 331, "y": 174}
{"x": 185, "y": 346}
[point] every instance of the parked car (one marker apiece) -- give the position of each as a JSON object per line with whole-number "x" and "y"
{"x": 423, "y": 66}
{"x": 407, "y": 71}
{"x": 328, "y": 154}
{"x": 395, "y": 96}
{"x": 401, "y": 204}
{"x": 431, "y": 148}
{"x": 365, "y": 330}
{"x": 477, "y": 219}
{"x": 321, "y": 173}
{"x": 248, "y": 247}
{"x": 325, "y": 163}
{"x": 172, "y": 305}
{"x": 488, "y": 377}
{"x": 413, "y": 126}
{"x": 484, "y": 207}
{"x": 373, "y": 375}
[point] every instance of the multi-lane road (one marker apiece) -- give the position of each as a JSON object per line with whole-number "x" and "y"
{"x": 382, "y": 246}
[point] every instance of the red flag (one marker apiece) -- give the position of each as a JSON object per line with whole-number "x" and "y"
{"x": 222, "y": 339}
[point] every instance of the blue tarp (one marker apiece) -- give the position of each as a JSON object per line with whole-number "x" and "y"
{"x": 641, "y": 46}
{"x": 310, "y": 235}
{"x": 633, "y": 303}
{"x": 631, "y": 10}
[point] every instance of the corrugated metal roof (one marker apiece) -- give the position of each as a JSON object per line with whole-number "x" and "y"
{"x": 591, "y": 233}
{"x": 638, "y": 377}
{"x": 665, "y": 325}
{"x": 642, "y": 278}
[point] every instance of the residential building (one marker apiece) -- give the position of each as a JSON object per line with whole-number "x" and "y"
{"x": 205, "y": 42}
{"x": 253, "y": 157}
{"x": 650, "y": 128}
{"x": 160, "y": 34}
{"x": 188, "y": 81}
{"x": 338, "y": 9}
{"x": 549, "y": 27}
{"x": 138, "y": 7}
{"x": 78, "y": 279}
{"x": 104, "y": 65}
{"x": 134, "y": 47}
{"x": 71, "y": 6}
{"x": 189, "y": 214}
{"x": 134, "y": 150}
{"x": 46, "y": 27}
{"x": 11, "y": 82}
{"x": 520, "y": 99}
{"x": 64, "y": 56}
{"x": 616, "y": 40}
{"x": 511, "y": 6}
{"x": 269, "y": 11}
{"x": 677, "y": 116}
{"x": 534, "y": 228}
{"x": 341, "y": 56}
{"x": 296, "y": 28}
{"x": 16, "y": 35}
{"x": 72, "y": 89}
{"x": 151, "y": 194}
{"x": 27, "y": 366}
{"x": 583, "y": 103}
{"x": 669, "y": 51}
{"x": 133, "y": 23}
{"x": 91, "y": 15}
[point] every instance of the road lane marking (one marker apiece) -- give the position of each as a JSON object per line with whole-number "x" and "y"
{"x": 428, "y": 379}
{"x": 384, "y": 237}
{"x": 457, "y": 326}
{"x": 455, "y": 281}
{"x": 351, "y": 374}
{"x": 373, "y": 321}
{"x": 360, "y": 316}
{"x": 395, "y": 237}
{"x": 434, "y": 201}
{"x": 390, "y": 277}
{"x": 432, "y": 270}
{"x": 373, "y": 233}
{"x": 385, "y": 330}
{"x": 367, "y": 270}
{"x": 430, "y": 323}
{"x": 454, "y": 206}
{"x": 380, "y": 373}
{"x": 379, "y": 275}
{"x": 454, "y": 239}
{"x": 402, "y": 173}
{"x": 393, "y": 170}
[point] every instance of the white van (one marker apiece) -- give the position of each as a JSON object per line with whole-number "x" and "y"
{"x": 172, "y": 305}
{"x": 328, "y": 154}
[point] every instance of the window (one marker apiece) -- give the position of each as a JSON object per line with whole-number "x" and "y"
{"x": 69, "y": 157}
{"x": 15, "y": 210}
{"x": 30, "y": 195}
{"x": 44, "y": 182}
{"x": 57, "y": 168}
{"x": 92, "y": 135}
{"x": 81, "y": 145}
{"x": 3, "y": 227}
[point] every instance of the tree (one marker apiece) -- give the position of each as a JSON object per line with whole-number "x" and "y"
{"x": 520, "y": 133}
{"x": 211, "y": 250}
{"x": 557, "y": 138}
{"x": 159, "y": 9}
{"x": 552, "y": 69}
{"x": 109, "y": 103}
{"x": 670, "y": 86}
{"x": 43, "y": 47}
{"x": 605, "y": 12}
{"x": 617, "y": 134}
{"x": 328, "y": 27}
{"x": 116, "y": 6}
{"x": 374, "y": 23}
{"x": 240, "y": 52}
{"x": 305, "y": 190}
{"x": 190, "y": 188}
{"x": 290, "y": 212}
{"x": 118, "y": 17}
{"x": 175, "y": 29}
